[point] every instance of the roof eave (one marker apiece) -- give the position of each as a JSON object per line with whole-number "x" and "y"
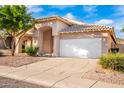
{"x": 53, "y": 18}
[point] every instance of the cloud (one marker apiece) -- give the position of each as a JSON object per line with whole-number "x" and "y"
{"x": 119, "y": 11}
{"x": 91, "y": 10}
{"x": 105, "y": 22}
{"x": 61, "y": 7}
{"x": 34, "y": 8}
{"x": 70, "y": 16}
{"x": 118, "y": 24}
{"x": 89, "y": 15}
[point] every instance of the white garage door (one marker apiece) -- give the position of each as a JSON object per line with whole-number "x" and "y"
{"x": 84, "y": 48}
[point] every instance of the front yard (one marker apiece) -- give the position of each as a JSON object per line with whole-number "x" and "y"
{"x": 57, "y": 67}
{"x": 18, "y": 61}
{"x": 110, "y": 68}
{"x": 108, "y": 76}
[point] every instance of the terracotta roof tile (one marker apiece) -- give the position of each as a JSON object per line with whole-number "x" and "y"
{"x": 85, "y": 27}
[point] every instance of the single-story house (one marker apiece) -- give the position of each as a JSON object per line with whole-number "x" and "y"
{"x": 120, "y": 45}
{"x": 59, "y": 36}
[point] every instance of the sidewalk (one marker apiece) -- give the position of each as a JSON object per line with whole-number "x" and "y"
{"x": 57, "y": 72}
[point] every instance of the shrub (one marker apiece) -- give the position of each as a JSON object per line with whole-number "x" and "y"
{"x": 23, "y": 50}
{"x": 113, "y": 61}
{"x": 31, "y": 51}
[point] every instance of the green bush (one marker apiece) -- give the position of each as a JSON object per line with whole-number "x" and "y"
{"x": 23, "y": 50}
{"x": 31, "y": 51}
{"x": 113, "y": 61}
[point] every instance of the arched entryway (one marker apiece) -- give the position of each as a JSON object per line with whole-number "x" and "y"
{"x": 47, "y": 40}
{"x": 26, "y": 41}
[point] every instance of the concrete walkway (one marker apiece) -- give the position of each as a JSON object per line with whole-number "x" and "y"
{"x": 57, "y": 72}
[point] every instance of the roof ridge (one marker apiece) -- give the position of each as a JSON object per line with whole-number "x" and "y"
{"x": 48, "y": 17}
{"x": 91, "y": 25}
{"x": 74, "y": 21}
{"x": 101, "y": 25}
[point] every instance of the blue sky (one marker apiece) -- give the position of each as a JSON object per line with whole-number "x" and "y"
{"x": 111, "y": 15}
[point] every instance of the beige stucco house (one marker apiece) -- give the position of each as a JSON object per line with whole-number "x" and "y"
{"x": 59, "y": 36}
{"x": 120, "y": 45}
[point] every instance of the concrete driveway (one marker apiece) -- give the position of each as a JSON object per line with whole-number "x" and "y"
{"x": 56, "y": 72}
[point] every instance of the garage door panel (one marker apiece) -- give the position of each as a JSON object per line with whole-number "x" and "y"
{"x": 84, "y": 48}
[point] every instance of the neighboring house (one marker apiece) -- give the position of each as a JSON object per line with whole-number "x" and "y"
{"x": 59, "y": 36}
{"x": 8, "y": 42}
{"x": 120, "y": 45}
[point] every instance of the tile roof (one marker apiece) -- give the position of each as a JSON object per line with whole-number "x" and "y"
{"x": 74, "y": 21}
{"x": 63, "y": 19}
{"x": 54, "y": 18}
{"x": 86, "y": 27}
{"x": 77, "y": 26}
{"x": 89, "y": 28}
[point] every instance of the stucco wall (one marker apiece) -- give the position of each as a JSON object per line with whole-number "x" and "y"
{"x": 121, "y": 48}
{"x": 81, "y": 35}
{"x": 111, "y": 42}
{"x": 28, "y": 40}
{"x": 56, "y": 46}
{"x": 56, "y": 27}
{"x": 55, "y": 24}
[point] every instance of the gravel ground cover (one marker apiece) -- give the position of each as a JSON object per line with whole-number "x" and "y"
{"x": 105, "y": 75}
{"x": 17, "y": 61}
{"x": 11, "y": 83}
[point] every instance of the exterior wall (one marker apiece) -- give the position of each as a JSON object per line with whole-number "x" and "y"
{"x": 121, "y": 48}
{"x": 81, "y": 35}
{"x": 28, "y": 40}
{"x": 37, "y": 36}
{"x": 40, "y": 40}
{"x": 56, "y": 27}
{"x": 52, "y": 24}
{"x": 35, "y": 41}
{"x": 111, "y": 42}
{"x": 33, "y": 34}
{"x": 104, "y": 45}
{"x": 60, "y": 26}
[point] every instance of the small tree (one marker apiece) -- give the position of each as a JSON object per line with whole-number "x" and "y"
{"x": 15, "y": 21}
